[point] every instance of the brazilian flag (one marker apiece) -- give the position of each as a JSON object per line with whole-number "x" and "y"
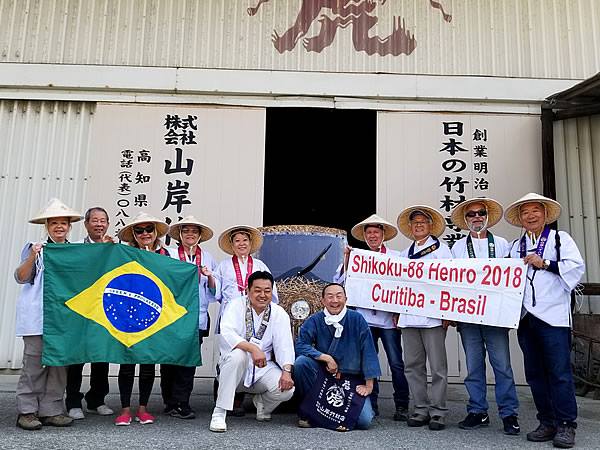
{"x": 115, "y": 303}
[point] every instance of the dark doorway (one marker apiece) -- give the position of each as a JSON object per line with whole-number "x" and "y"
{"x": 320, "y": 167}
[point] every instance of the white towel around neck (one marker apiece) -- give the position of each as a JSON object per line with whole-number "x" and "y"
{"x": 335, "y": 319}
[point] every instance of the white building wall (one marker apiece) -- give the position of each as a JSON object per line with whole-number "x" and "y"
{"x": 504, "y": 38}
{"x": 409, "y": 172}
{"x": 47, "y": 153}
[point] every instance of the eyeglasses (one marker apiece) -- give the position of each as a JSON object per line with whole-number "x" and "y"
{"x": 480, "y": 213}
{"x": 147, "y": 229}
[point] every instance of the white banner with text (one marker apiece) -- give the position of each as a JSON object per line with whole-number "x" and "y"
{"x": 483, "y": 291}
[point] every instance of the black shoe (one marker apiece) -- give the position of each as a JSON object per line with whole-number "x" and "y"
{"x": 238, "y": 405}
{"x": 401, "y": 414}
{"x": 169, "y": 409}
{"x": 474, "y": 420}
{"x": 418, "y": 420}
{"x": 437, "y": 423}
{"x": 183, "y": 412}
{"x": 542, "y": 433}
{"x": 565, "y": 437}
{"x": 511, "y": 425}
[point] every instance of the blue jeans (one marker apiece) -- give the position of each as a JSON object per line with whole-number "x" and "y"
{"x": 305, "y": 375}
{"x": 392, "y": 344}
{"x": 547, "y": 358}
{"x": 476, "y": 340}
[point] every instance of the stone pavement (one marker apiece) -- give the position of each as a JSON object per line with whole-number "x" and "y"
{"x": 97, "y": 432}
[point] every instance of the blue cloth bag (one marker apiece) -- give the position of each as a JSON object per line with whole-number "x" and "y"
{"x": 331, "y": 403}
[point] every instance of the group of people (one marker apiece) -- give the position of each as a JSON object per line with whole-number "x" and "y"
{"x": 41, "y": 390}
{"x": 554, "y": 268}
{"x": 258, "y": 355}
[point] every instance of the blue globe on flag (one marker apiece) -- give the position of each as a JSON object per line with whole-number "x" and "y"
{"x": 132, "y": 302}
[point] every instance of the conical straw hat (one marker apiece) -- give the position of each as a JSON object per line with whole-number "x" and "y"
{"x": 553, "y": 208}
{"x": 205, "y": 232}
{"x": 225, "y": 243}
{"x": 494, "y": 211}
{"x": 56, "y": 208}
{"x": 389, "y": 230}
{"x": 126, "y": 233}
{"x": 437, "y": 228}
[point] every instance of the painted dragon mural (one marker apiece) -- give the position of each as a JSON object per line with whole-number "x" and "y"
{"x": 332, "y": 15}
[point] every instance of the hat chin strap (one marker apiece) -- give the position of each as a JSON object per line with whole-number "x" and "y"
{"x": 481, "y": 230}
{"x": 377, "y": 247}
{"x": 422, "y": 239}
{"x": 243, "y": 257}
{"x": 249, "y": 240}
{"x": 545, "y": 213}
{"x": 194, "y": 244}
{"x": 145, "y": 247}
{"x": 48, "y": 231}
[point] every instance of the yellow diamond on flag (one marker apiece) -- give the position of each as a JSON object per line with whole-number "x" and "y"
{"x": 130, "y": 302}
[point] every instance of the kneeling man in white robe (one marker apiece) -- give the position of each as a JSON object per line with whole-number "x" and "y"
{"x": 257, "y": 352}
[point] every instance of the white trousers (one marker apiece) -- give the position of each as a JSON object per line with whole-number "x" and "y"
{"x": 231, "y": 380}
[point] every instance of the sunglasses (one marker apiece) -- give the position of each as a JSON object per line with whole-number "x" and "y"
{"x": 147, "y": 229}
{"x": 480, "y": 213}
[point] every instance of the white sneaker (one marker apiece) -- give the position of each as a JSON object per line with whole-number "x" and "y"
{"x": 101, "y": 410}
{"x": 76, "y": 413}
{"x": 217, "y": 422}
{"x": 261, "y": 416}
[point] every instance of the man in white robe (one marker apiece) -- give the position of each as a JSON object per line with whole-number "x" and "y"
{"x": 554, "y": 267}
{"x": 255, "y": 333}
{"x": 424, "y": 338}
{"x": 374, "y": 231}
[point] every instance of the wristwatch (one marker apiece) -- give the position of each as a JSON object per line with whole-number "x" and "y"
{"x": 546, "y": 264}
{"x": 287, "y": 369}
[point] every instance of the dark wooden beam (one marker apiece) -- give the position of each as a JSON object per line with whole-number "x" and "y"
{"x": 548, "y": 174}
{"x": 577, "y": 111}
{"x": 591, "y": 289}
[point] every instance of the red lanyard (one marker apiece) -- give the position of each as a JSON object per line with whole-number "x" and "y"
{"x": 198, "y": 258}
{"x": 241, "y": 284}
{"x": 383, "y": 249}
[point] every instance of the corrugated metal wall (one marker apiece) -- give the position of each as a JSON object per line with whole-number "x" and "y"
{"x": 507, "y": 38}
{"x": 44, "y": 152}
{"x": 577, "y": 164}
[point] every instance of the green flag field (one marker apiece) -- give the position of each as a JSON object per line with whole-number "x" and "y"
{"x": 115, "y": 303}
